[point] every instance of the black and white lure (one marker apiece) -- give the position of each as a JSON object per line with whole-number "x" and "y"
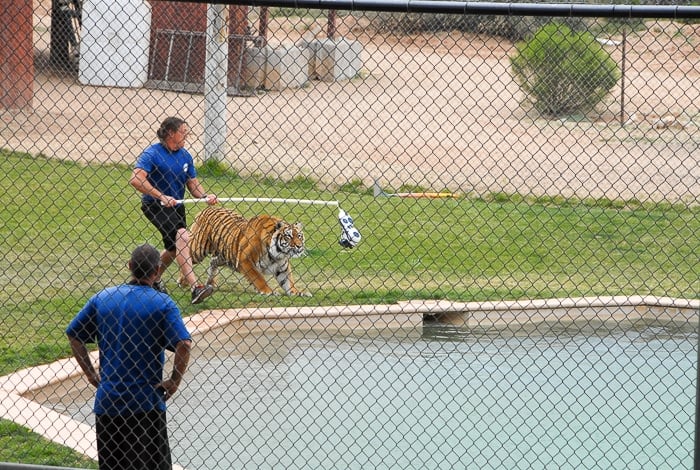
{"x": 350, "y": 236}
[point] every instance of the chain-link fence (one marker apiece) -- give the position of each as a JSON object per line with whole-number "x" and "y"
{"x": 519, "y": 288}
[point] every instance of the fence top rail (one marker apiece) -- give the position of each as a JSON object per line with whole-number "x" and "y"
{"x": 479, "y": 8}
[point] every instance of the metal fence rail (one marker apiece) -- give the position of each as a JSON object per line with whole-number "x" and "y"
{"x": 526, "y": 287}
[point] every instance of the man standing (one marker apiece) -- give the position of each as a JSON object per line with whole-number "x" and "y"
{"x": 133, "y": 324}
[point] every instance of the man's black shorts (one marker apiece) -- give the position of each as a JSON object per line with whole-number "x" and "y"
{"x": 133, "y": 442}
{"x": 168, "y": 220}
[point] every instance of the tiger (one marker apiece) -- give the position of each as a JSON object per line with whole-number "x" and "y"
{"x": 255, "y": 247}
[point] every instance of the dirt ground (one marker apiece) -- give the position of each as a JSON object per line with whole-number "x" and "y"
{"x": 432, "y": 110}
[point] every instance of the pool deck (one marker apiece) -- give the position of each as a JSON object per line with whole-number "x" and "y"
{"x": 64, "y": 430}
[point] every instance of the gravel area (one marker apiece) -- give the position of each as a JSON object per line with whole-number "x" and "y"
{"x": 437, "y": 111}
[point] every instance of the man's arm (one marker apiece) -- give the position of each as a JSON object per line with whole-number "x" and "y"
{"x": 82, "y": 355}
{"x": 180, "y": 361}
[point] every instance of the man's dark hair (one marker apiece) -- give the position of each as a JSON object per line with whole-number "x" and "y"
{"x": 145, "y": 260}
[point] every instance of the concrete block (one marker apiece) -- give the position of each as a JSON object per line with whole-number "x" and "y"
{"x": 254, "y": 67}
{"x": 334, "y": 59}
{"x": 276, "y": 67}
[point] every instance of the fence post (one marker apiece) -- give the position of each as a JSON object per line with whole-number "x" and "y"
{"x": 215, "y": 86}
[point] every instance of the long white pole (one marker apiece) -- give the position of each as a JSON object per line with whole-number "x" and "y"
{"x": 264, "y": 199}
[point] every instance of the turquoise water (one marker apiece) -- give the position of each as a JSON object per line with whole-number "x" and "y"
{"x": 438, "y": 398}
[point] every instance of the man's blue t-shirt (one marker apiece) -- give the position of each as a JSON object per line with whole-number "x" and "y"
{"x": 167, "y": 171}
{"x": 133, "y": 325}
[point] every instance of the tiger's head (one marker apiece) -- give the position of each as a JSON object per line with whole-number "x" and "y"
{"x": 288, "y": 240}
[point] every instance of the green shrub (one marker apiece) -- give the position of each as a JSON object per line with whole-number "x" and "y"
{"x": 564, "y": 72}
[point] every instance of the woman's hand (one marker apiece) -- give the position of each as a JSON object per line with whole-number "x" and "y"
{"x": 168, "y": 201}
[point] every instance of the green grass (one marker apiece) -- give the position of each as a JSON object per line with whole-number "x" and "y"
{"x": 68, "y": 230}
{"x": 19, "y": 445}
{"x": 71, "y": 231}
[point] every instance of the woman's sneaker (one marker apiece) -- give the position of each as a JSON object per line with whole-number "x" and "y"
{"x": 200, "y": 293}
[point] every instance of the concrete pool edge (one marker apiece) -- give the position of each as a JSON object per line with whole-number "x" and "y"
{"x": 64, "y": 430}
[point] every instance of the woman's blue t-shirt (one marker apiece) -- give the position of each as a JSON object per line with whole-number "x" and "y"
{"x": 167, "y": 171}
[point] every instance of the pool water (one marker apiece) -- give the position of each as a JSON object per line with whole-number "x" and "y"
{"x": 432, "y": 397}
{"x": 438, "y": 397}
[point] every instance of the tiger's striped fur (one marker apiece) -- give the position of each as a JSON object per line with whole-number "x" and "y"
{"x": 255, "y": 247}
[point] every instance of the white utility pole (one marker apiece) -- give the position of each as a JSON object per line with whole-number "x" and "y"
{"x": 215, "y": 83}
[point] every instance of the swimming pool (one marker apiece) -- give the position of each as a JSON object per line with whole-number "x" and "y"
{"x": 439, "y": 397}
